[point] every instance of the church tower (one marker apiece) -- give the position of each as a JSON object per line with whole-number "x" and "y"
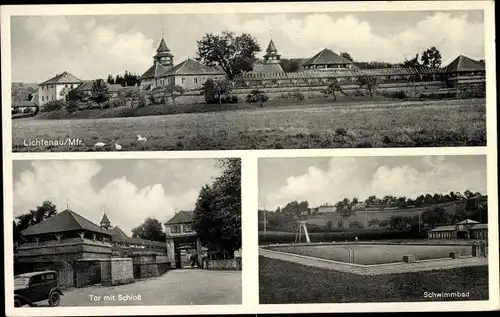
{"x": 163, "y": 55}
{"x": 272, "y": 56}
{"x": 105, "y": 223}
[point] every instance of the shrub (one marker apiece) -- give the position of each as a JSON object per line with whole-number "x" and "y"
{"x": 106, "y": 105}
{"x": 297, "y": 95}
{"x": 341, "y": 131}
{"x": 71, "y": 107}
{"x": 142, "y": 101}
{"x": 398, "y": 94}
{"x": 358, "y": 93}
{"x": 152, "y": 99}
{"x": 54, "y": 105}
{"x": 257, "y": 96}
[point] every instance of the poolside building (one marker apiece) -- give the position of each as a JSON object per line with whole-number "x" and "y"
{"x": 465, "y": 229}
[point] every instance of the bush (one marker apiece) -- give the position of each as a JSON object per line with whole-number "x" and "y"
{"x": 257, "y": 96}
{"x": 230, "y": 99}
{"x": 358, "y": 93}
{"x": 116, "y": 103}
{"x": 297, "y": 95}
{"x": 54, "y": 105}
{"x": 142, "y": 101}
{"x": 398, "y": 94}
{"x": 341, "y": 131}
{"x": 71, "y": 107}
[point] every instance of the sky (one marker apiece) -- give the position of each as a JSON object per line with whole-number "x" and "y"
{"x": 92, "y": 47}
{"x": 322, "y": 180}
{"x": 128, "y": 191}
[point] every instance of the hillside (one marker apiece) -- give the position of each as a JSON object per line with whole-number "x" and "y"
{"x": 323, "y": 218}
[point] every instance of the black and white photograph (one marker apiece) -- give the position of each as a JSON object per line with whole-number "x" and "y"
{"x": 242, "y": 81}
{"x": 373, "y": 229}
{"x": 127, "y": 232}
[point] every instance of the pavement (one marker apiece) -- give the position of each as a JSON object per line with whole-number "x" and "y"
{"x": 176, "y": 287}
{"x": 378, "y": 269}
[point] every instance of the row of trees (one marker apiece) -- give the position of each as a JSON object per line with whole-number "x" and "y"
{"x": 46, "y": 210}
{"x": 127, "y": 80}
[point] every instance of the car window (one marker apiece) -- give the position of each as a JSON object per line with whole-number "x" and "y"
{"x": 37, "y": 279}
{"x": 50, "y": 277}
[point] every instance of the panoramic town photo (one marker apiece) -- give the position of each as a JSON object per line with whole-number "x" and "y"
{"x": 373, "y": 229}
{"x": 239, "y": 81}
{"x": 127, "y": 232}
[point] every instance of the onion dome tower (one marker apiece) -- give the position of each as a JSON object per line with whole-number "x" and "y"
{"x": 163, "y": 55}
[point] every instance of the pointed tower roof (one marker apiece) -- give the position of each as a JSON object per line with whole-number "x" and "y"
{"x": 163, "y": 46}
{"x": 271, "y": 48}
{"x": 105, "y": 219}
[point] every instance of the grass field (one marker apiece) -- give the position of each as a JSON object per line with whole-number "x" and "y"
{"x": 376, "y": 254}
{"x": 396, "y": 124}
{"x": 288, "y": 283}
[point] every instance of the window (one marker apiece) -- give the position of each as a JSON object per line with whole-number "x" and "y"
{"x": 195, "y": 80}
{"x": 187, "y": 228}
{"x": 183, "y": 80}
{"x": 175, "y": 229}
{"x": 43, "y": 98}
{"x": 37, "y": 279}
{"x": 50, "y": 277}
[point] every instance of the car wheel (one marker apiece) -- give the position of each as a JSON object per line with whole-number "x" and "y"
{"x": 17, "y": 303}
{"x": 54, "y": 299}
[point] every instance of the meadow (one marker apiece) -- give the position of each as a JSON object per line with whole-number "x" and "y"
{"x": 376, "y": 254}
{"x": 283, "y": 282}
{"x": 336, "y": 125}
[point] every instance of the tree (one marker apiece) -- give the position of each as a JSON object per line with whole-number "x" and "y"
{"x": 412, "y": 63}
{"x": 233, "y": 54}
{"x": 333, "y": 86}
{"x": 340, "y": 224}
{"x": 329, "y": 225}
{"x": 215, "y": 90}
{"x": 290, "y": 65}
{"x": 46, "y": 210}
{"x": 347, "y": 56}
{"x": 172, "y": 91}
{"x": 368, "y": 82}
{"x": 431, "y": 57}
{"x": 356, "y": 225}
{"x": 64, "y": 92}
{"x": 435, "y": 216}
{"x": 150, "y": 229}
{"x": 217, "y": 213}
{"x": 110, "y": 79}
{"x": 99, "y": 91}
{"x": 374, "y": 222}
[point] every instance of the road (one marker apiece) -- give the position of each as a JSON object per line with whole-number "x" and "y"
{"x": 176, "y": 287}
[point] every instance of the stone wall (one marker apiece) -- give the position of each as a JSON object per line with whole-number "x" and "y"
{"x": 88, "y": 272}
{"x": 145, "y": 265}
{"x": 228, "y": 264}
{"x": 116, "y": 271}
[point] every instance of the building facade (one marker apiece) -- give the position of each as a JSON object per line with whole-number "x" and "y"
{"x": 56, "y": 88}
{"x": 465, "y": 229}
{"x": 182, "y": 238}
{"x": 189, "y": 74}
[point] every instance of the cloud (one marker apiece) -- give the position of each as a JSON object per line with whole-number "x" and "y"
{"x": 362, "y": 177}
{"x": 48, "y": 29}
{"x": 300, "y": 37}
{"x": 127, "y": 205}
{"x": 93, "y": 47}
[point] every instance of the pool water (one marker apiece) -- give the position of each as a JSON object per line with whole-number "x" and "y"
{"x": 376, "y": 254}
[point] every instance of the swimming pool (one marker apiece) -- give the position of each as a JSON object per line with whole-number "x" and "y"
{"x": 374, "y": 253}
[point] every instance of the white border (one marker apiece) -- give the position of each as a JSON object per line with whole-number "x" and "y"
{"x": 249, "y": 160}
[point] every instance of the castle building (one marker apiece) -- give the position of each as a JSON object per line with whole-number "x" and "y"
{"x": 57, "y": 87}
{"x": 189, "y": 74}
{"x": 181, "y": 235}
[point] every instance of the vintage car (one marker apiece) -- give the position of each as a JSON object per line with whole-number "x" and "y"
{"x": 33, "y": 287}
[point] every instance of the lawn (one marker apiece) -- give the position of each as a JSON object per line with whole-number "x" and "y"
{"x": 376, "y": 254}
{"x": 394, "y": 124}
{"x": 288, "y": 283}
